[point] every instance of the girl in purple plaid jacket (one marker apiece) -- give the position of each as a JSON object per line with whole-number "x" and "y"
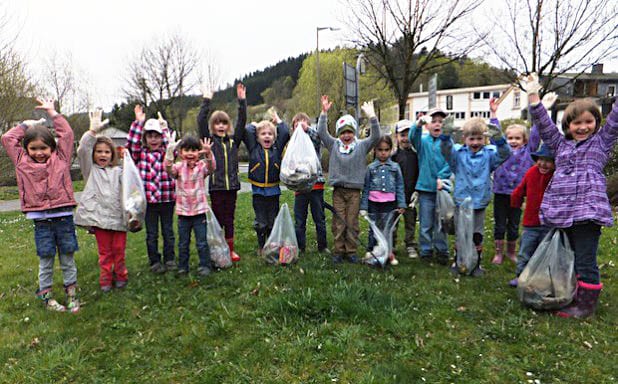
{"x": 576, "y": 198}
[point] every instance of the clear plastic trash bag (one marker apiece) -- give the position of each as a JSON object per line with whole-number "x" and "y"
{"x": 133, "y": 195}
{"x": 281, "y": 246}
{"x": 445, "y": 212}
{"x": 383, "y": 228}
{"x": 300, "y": 166}
{"x": 467, "y": 257}
{"x": 549, "y": 281}
{"x": 219, "y": 250}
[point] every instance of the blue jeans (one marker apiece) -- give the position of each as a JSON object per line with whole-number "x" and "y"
{"x": 313, "y": 199}
{"x": 427, "y": 216}
{"x": 55, "y": 234}
{"x": 584, "y": 240}
{"x": 379, "y": 213}
{"x": 531, "y": 237}
{"x": 196, "y": 223}
{"x": 163, "y": 212}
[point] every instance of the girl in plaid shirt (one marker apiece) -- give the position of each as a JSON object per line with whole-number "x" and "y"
{"x": 147, "y": 141}
{"x": 191, "y": 202}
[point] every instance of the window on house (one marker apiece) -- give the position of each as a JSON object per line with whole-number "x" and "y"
{"x": 495, "y": 94}
{"x": 486, "y": 95}
{"x": 406, "y": 112}
{"x": 481, "y": 114}
{"x": 449, "y": 102}
{"x": 516, "y": 99}
{"x": 611, "y": 90}
{"x": 459, "y": 115}
{"x": 476, "y": 95}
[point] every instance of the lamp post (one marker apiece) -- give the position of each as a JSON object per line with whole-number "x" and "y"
{"x": 317, "y": 60}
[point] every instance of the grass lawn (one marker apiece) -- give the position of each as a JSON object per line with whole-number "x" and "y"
{"x": 12, "y": 193}
{"x": 307, "y": 323}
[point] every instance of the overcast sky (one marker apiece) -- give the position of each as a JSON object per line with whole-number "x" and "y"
{"x": 103, "y": 36}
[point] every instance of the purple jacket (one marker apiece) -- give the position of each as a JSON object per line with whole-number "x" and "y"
{"x": 508, "y": 176}
{"x": 577, "y": 191}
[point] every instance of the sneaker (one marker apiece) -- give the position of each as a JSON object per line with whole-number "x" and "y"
{"x": 394, "y": 261}
{"x": 157, "y": 268}
{"x": 235, "y": 257}
{"x": 203, "y": 271}
{"x": 412, "y": 253}
{"x": 352, "y": 258}
{"x": 477, "y": 272}
{"x": 121, "y": 284}
{"x": 53, "y": 305}
{"x": 106, "y": 288}
{"x": 170, "y": 265}
{"x": 324, "y": 251}
{"x": 513, "y": 283}
{"x": 442, "y": 258}
{"x": 72, "y": 300}
{"x": 182, "y": 272}
{"x": 337, "y": 259}
{"x": 454, "y": 269}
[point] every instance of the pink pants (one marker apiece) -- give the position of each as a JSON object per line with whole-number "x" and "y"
{"x": 112, "y": 245}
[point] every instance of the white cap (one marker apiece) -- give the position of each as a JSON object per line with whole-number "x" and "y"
{"x": 153, "y": 125}
{"x": 402, "y": 125}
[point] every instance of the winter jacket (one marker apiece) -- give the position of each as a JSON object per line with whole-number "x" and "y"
{"x": 408, "y": 163}
{"x": 473, "y": 169}
{"x": 532, "y": 187}
{"x": 100, "y": 203}
{"x": 225, "y": 149}
{"x": 264, "y": 164}
{"x": 577, "y": 192}
{"x": 43, "y": 186}
{"x": 383, "y": 177}
{"x": 432, "y": 165}
{"x": 347, "y": 170}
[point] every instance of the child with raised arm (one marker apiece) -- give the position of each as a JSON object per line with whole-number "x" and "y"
{"x": 472, "y": 163}
{"x": 43, "y": 171}
{"x": 224, "y": 183}
{"x": 146, "y": 141}
{"x": 191, "y": 201}
{"x": 265, "y": 144}
{"x": 100, "y": 208}
{"x": 347, "y": 166}
{"x": 576, "y": 198}
{"x": 313, "y": 199}
{"x": 432, "y": 169}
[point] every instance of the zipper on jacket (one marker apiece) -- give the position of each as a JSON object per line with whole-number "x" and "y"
{"x": 227, "y": 179}
{"x": 266, "y": 170}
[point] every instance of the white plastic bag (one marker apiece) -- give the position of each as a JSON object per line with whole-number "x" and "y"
{"x": 549, "y": 281}
{"x": 219, "y": 250}
{"x": 133, "y": 195}
{"x": 445, "y": 212}
{"x": 467, "y": 257}
{"x": 384, "y": 238}
{"x": 281, "y": 246}
{"x": 300, "y": 166}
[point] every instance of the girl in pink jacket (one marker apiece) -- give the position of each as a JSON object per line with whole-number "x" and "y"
{"x": 42, "y": 168}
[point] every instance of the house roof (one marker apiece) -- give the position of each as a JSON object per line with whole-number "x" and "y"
{"x": 495, "y": 87}
{"x": 611, "y": 76}
{"x": 114, "y": 133}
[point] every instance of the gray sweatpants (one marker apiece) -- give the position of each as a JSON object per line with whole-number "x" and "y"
{"x": 46, "y": 271}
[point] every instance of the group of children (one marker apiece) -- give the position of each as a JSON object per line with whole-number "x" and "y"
{"x": 571, "y": 197}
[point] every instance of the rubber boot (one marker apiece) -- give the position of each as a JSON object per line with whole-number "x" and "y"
{"x": 50, "y": 304}
{"x": 233, "y": 255}
{"x": 511, "y": 246}
{"x": 72, "y": 300}
{"x": 585, "y": 301}
{"x": 478, "y": 271}
{"x": 499, "y": 252}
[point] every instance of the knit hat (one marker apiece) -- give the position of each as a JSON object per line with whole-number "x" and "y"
{"x": 402, "y": 125}
{"x": 346, "y": 123}
{"x": 153, "y": 125}
{"x": 544, "y": 151}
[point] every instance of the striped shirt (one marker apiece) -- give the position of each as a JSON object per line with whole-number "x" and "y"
{"x": 191, "y": 188}
{"x": 158, "y": 185}
{"x": 577, "y": 192}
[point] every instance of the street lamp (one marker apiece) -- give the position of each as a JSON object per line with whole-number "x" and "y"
{"x": 317, "y": 60}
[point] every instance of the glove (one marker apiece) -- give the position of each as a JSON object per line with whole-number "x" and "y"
{"x": 32, "y": 123}
{"x": 96, "y": 125}
{"x": 363, "y": 213}
{"x": 423, "y": 120}
{"x": 494, "y": 132}
{"x": 272, "y": 113}
{"x": 171, "y": 146}
{"x": 413, "y": 200}
{"x": 549, "y": 99}
{"x": 448, "y": 125}
{"x": 206, "y": 91}
{"x": 163, "y": 123}
{"x": 368, "y": 109}
{"x": 531, "y": 84}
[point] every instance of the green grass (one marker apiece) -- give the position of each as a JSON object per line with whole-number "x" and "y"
{"x": 12, "y": 193}
{"x": 307, "y": 323}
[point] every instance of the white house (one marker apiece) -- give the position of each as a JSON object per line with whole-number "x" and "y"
{"x": 465, "y": 103}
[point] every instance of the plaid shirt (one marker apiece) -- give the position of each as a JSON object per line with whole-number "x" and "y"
{"x": 159, "y": 186}
{"x": 191, "y": 188}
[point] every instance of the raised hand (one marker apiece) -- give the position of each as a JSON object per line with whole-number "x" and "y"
{"x": 163, "y": 123}
{"x": 96, "y": 125}
{"x": 448, "y": 125}
{"x": 171, "y": 145}
{"x": 493, "y": 131}
{"x": 241, "y": 91}
{"x": 274, "y": 117}
{"x": 47, "y": 105}
{"x": 423, "y": 120}
{"x": 549, "y": 99}
{"x": 368, "y": 109}
{"x": 206, "y": 91}
{"x": 206, "y": 146}
{"x": 531, "y": 85}
{"x": 32, "y": 123}
{"x": 325, "y": 103}
{"x": 139, "y": 113}
{"x": 493, "y": 105}
{"x": 413, "y": 199}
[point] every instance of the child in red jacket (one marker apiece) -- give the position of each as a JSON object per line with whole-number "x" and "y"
{"x": 532, "y": 187}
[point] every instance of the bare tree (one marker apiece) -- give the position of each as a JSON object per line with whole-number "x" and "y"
{"x": 404, "y": 39}
{"x": 552, "y": 37}
{"x": 210, "y": 74}
{"x": 160, "y": 77}
{"x": 66, "y": 82}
